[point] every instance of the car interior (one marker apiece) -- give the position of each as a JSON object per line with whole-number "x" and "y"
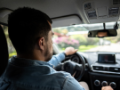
{"x": 91, "y": 26}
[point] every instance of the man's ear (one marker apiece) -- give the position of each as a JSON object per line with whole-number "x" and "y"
{"x": 41, "y": 43}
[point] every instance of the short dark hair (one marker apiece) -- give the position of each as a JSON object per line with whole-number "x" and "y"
{"x": 25, "y": 25}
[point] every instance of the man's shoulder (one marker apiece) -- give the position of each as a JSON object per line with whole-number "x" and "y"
{"x": 68, "y": 82}
{"x": 61, "y": 75}
{"x": 38, "y": 76}
{"x": 53, "y": 80}
{"x": 33, "y": 73}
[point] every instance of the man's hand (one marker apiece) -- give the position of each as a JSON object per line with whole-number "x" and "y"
{"x": 70, "y": 51}
{"x": 107, "y": 88}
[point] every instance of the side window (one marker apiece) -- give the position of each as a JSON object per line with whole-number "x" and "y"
{"x": 11, "y": 48}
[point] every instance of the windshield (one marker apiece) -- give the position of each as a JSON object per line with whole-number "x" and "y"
{"x": 77, "y": 37}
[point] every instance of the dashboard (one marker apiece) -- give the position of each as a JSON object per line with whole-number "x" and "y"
{"x": 103, "y": 69}
{"x": 104, "y": 66}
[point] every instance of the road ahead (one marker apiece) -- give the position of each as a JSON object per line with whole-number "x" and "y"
{"x": 107, "y": 48}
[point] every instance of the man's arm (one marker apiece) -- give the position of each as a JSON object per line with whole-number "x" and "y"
{"x": 56, "y": 59}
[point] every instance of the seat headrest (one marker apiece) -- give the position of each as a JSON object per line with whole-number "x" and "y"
{"x": 3, "y": 52}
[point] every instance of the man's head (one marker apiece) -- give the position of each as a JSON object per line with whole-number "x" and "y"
{"x": 103, "y": 33}
{"x": 30, "y": 31}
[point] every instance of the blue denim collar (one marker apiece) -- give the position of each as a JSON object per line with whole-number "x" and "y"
{"x": 27, "y": 62}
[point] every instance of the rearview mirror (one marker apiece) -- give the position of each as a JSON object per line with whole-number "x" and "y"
{"x": 102, "y": 33}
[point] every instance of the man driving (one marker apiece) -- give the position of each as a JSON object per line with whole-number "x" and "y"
{"x": 32, "y": 69}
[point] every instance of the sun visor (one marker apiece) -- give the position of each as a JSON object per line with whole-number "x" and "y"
{"x": 66, "y": 21}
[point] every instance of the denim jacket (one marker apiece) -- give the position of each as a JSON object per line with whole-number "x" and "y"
{"x": 24, "y": 74}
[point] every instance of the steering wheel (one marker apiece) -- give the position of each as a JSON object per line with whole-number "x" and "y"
{"x": 70, "y": 65}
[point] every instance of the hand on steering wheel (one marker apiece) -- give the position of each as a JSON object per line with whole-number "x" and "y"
{"x": 70, "y": 51}
{"x": 72, "y": 67}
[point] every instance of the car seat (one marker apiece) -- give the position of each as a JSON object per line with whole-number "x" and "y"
{"x": 3, "y": 51}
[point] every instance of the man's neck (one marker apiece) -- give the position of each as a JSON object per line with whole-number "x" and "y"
{"x": 31, "y": 57}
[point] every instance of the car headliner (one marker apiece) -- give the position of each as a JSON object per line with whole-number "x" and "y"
{"x": 58, "y": 10}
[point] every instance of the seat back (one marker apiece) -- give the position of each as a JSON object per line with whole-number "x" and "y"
{"x": 3, "y": 52}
